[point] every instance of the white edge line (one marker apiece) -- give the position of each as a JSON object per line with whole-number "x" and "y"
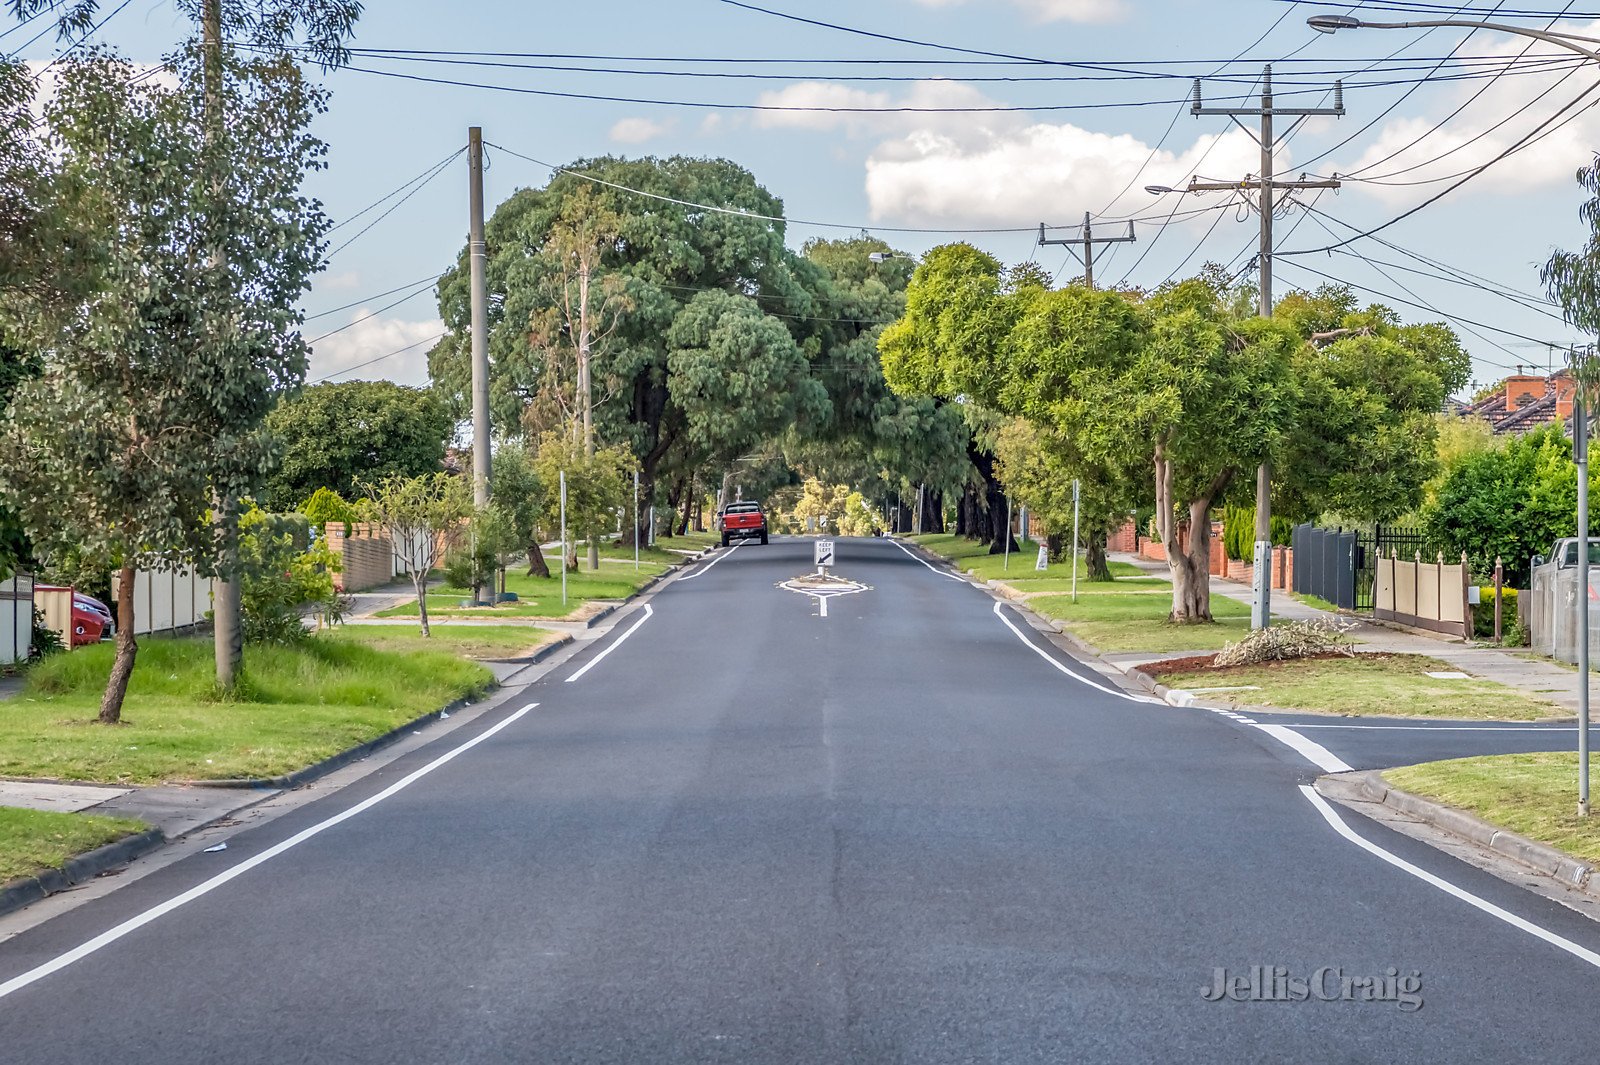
{"x": 1036, "y": 649}
{"x": 1310, "y": 750}
{"x": 916, "y": 558}
{"x": 1444, "y": 728}
{"x": 597, "y": 659}
{"x": 707, "y": 567}
{"x": 1339, "y": 826}
{"x": 132, "y": 924}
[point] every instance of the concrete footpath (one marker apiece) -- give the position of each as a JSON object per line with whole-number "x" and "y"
{"x": 1515, "y": 668}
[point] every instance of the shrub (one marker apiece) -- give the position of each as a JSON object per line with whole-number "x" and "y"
{"x": 280, "y": 578}
{"x": 1516, "y": 633}
{"x": 45, "y": 640}
{"x": 1289, "y": 640}
{"x": 1483, "y": 611}
{"x": 326, "y": 505}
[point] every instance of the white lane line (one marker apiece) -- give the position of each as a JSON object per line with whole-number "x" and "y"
{"x": 132, "y": 924}
{"x": 823, "y": 601}
{"x": 1339, "y": 826}
{"x": 1445, "y": 728}
{"x": 1036, "y": 649}
{"x": 597, "y": 659}
{"x": 923, "y": 561}
{"x": 1310, "y": 750}
{"x": 707, "y": 567}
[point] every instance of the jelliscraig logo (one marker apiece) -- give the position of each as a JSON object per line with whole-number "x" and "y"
{"x": 1275, "y": 983}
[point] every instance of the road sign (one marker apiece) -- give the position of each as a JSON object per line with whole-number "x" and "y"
{"x": 824, "y": 553}
{"x": 1044, "y": 558}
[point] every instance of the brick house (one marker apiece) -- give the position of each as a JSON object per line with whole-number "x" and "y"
{"x": 1525, "y": 402}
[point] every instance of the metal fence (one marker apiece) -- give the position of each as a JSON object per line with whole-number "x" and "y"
{"x": 1341, "y": 565}
{"x": 16, "y": 619}
{"x": 1325, "y": 564}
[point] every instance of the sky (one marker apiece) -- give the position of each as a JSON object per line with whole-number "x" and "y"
{"x": 940, "y": 151}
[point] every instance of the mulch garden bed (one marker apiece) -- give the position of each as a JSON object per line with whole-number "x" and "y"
{"x": 1194, "y": 663}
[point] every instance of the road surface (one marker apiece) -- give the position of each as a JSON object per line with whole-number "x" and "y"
{"x": 735, "y": 830}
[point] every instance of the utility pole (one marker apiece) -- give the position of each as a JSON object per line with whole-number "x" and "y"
{"x": 1580, "y": 456}
{"x": 1088, "y": 239}
{"x": 478, "y": 255}
{"x": 1266, "y": 184}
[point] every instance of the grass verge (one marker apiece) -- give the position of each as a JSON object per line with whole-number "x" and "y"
{"x": 974, "y": 558}
{"x": 1366, "y": 685}
{"x": 293, "y": 706}
{"x": 1114, "y": 620}
{"x": 539, "y": 597}
{"x": 1534, "y": 795}
{"x": 32, "y": 841}
{"x": 467, "y": 641}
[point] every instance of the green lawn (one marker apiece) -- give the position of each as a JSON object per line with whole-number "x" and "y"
{"x": 974, "y": 558}
{"x": 1313, "y": 601}
{"x": 539, "y": 597}
{"x": 1114, "y": 619}
{"x": 1534, "y": 795}
{"x": 294, "y": 706}
{"x": 468, "y": 641}
{"x": 1365, "y": 685}
{"x": 32, "y": 841}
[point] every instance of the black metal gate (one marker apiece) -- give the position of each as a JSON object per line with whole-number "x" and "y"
{"x": 1325, "y": 564}
{"x": 1380, "y": 541}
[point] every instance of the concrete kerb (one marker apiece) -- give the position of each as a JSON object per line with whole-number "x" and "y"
{"x": 30, "y": 889}
{"x": 1370, "y": 786}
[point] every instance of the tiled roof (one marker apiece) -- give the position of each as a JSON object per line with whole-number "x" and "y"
{"x": 1530, "y": 413}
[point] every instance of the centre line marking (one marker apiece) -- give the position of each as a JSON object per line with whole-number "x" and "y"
{"x": 648, "y": 610}
{"x": 1338, "y": 824}
{"x": 106, "y": 938}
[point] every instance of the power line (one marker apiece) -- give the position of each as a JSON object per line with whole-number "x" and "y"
{"x": 374, "y": 314}
{"x": 390, "y": 195}
{"x": 368, "y": 299}
{"x": 426, "y": 181}
{"x": 380, "y": 358}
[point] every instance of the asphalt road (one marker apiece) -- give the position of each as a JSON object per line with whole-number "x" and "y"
{"x": 750, "y": 833}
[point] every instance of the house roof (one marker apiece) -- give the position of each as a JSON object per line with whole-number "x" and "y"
{"x": 1505, "y": 417}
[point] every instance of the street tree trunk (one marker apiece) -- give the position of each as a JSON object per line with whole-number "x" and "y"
{"x": 419, "y": 581}
{"x": 1095, "y": 556}
{"x": 537, "y": 566}
{"x": 127, "y": 650}
{"x": 1191, "y": 566}
{"x": 1058, "y": 547}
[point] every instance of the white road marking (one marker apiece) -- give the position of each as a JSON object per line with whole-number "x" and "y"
{"x": 823, "y": 594}
{"x": 707, "y": 567}
{"x": 1339, "y": 826}
{"x": 132, "y": 924}
{"x": 822, "y": 601}
{"x": 936, "y": 569}
{"x": 1036, "y": 649}
{"x": 1310, "y": 750}
{"x": 648, "y": 610}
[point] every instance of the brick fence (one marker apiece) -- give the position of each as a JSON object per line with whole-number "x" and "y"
{"x": 366, "y": 556}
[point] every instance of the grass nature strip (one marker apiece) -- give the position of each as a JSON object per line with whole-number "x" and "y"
{"x": 32, "y": 841}
{"x": 1534, "y": 795}
{"x": 293, "y": 706}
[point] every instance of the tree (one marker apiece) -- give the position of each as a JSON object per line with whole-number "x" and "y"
{"x": 704, "y": 289}
{"x": 595, "y": 486}
{"x": 521, "y": 498}
{"x": 281, "y": 574}
{"x": 335, "y": 435}
{"x": 1370, "y": 389}
{"x": 1509, "y": 502}
{"x": 1038, "y": 466}
{"x": 151, "y": 402}
{"x": 326, "y": 505}
{"x": 424, "y": 517}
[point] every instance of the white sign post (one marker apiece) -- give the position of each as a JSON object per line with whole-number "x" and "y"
{"x": 1043, "y": 562}
{"x": 824, "y": 555}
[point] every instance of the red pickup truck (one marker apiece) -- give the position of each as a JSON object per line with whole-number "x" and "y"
{"x": 742, "y": 520}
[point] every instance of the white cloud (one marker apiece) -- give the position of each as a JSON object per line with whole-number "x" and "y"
{"x": 340, "y": 282}
{"x": 996, "y": 167}
{"x": 1093, "y": 11}
{"x": 372, "y": 338}
{"x": 1486, "y": 127}
{"x": 638, "y": 130}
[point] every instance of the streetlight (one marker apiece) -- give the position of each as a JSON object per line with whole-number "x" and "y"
{"x": 1334, "y": 23}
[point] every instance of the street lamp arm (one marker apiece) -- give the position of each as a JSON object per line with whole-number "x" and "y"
{"x": 1326, "y": 24}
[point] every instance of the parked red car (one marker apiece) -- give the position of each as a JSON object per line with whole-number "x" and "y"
{"x": 92, "y": 620}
